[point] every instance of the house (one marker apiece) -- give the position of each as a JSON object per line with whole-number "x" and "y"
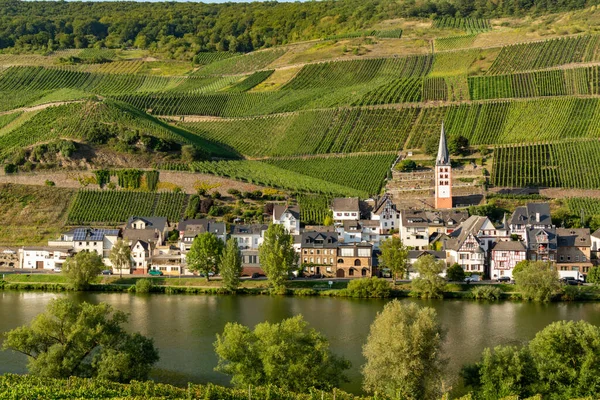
{"x": 468, "y": 245}
{"x": 141, "y": 255}
{"x": 352, "y": 231}
{"x": 288, "y": 216}
{"x": 189, "y": 229}
{"x": 167, "y": 260}
{"x": 89, "y": 239}
{"x": 44, "y": 257}
{"x": 354, "y": 260}
{"x": 414, "y": 255}
{"x": 541, "y": 243}
{"x": 505, "y": 255}
{"x": 9, "y": 258}
{"x": 574, "y": 252}
{"x": 532, "y": 215}
{"x": 148, "y": 229}
{"x": 318, "y": 252}
{"x": 249, "y": 238}
{"x": 386, "y": 214}
{"x": 347, "y": 208}
{"x": 417, "y": 227}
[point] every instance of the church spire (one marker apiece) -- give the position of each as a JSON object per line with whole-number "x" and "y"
{"x": 443, "y": 157}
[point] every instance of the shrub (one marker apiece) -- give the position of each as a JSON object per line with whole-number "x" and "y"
{"x": 305, "y": 292}
{"x": 455, "y": 273}
{"x": 571, "y": 293}
{"x": 49, "y": 183}
{"x": 10, "y": 168}
{"x": 406, "y": 166}
{"x": 486, "y": 292}
{"x": 143, "y": 285}
{"x": 369, "y": 288}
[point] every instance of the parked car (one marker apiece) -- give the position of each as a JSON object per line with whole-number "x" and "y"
{"x": 107, "y": 272}
{"x": 504, "y": 279}
{"x": 255, "y": 275}
{"x": 472, "y": 278}
{"x": 574, "y": 282}
{"x": 155, "y": 272}
{"x": 57, "y": 269}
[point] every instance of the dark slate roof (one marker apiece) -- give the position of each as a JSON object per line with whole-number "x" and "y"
{"x": 471, "y": 226}
{"x": 159, "y": 223}
{"x": 143, "y": 243}
{"x": 433, "y": 218}
{"x": 532, "y": 234}
{"x": 527, "y": 215}
{"x": 278, "y": 211}
{"x": 379, "y": 206}
{"x": 87, "y": 234}
{"x": 570, "y": 237}
{"x": 443, "y": 156}
{"x": 254, "y": 229}
{"x": 198, "y": 226}
{"x": 319, "y": 239}
{"x": 345, "y": 204}
{"x": 512, "y": 245}
{"x": 147, "y": 235}
{"x": 412, "y": 254}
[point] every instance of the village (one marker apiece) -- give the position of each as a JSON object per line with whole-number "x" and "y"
{"x": 349, "y": 246}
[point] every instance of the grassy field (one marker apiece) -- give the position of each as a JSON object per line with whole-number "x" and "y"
{"x": 31, "y": 215}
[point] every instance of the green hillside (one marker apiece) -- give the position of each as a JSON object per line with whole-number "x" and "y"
{"x": 327, "y": 116}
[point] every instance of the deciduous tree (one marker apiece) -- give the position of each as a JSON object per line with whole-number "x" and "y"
{"x": 290, "y": 355}
{"x": 430, "y": 284}
{"x": 82, "y": 268}
{"x": 120, "y": 255}
{"x": 394, "y": 255}
{"x": 205, "y": 254}
{"x": 536, "y": 280}
{"x": 277, "y": 255}
{"x": 231, "y": 265}
{"x": 82, "y": 339}
{"x": 403, "y": 352}
{"x": 455, "y": 273}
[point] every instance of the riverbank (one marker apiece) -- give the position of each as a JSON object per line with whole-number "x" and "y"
{"x": 195, "y": 286}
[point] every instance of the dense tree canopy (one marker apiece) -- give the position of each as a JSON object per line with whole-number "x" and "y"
{"x": 82, "y": 339}
{"x": 183, "y": 29}
{"x": 290, "y": 355}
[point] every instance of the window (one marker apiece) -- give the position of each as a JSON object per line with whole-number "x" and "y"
{"x": 351, "y": 272}
{"x": 562, "y": 258}
{"x": 330, "y": 261}
{"x": 364, "y": 252}
{"x": 318, "y": 260}
{"x": 318, "y": 251}
{"x": 576, "y": 258}
{"x": 328, "y": 269}
{"x": 584, "y": 258}
{"x": 568, "y": 258}
{"x": 347, "y": 252}
{"x": 346, "y": 214}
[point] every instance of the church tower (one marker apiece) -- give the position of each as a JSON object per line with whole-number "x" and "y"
{"x": 443, "y": 175}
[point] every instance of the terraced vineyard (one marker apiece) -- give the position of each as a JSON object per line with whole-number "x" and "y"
{"x": 313, "y": 208}
{"x": 294, "y": 117}
{"x": 115, "y": 207}
{"x": 467, "y": 24}
{"x": 563, "y": 164}
{"x": 588, "y": 205}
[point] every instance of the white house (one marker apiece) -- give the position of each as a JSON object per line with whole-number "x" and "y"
{"x": 418, "y": 227}
{"x": 249, "y": 238}
{"x": 89, "y": 239}
{"x": 189, "y": 229}
{"x": 344, "y": 209}
{"x": 289, "y": 217}
{"x": 360, "y": 232}
{"x": 505, "y": 256}
{"x": 386, "y": 214}
{"x": 468, "y": 245}
{"x": 43, "y": 257}
{"x": 149, "y": 229}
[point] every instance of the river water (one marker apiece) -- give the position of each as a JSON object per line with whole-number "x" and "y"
{"x": 184, "y": 326}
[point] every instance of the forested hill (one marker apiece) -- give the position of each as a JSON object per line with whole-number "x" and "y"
{"x": 183, "y": 29}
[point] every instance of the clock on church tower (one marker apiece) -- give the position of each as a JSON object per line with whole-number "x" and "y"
{"x": 443, "y": 175}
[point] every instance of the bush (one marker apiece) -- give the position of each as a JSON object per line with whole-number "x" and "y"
{"x": 369, "y": 288}
{"x": 406, "y": 166}
{"x": 455, "y": 273}
{"x": 306, "y": 292}
{"x": 486, "y": 292}
{"x": 571, "y": 293}
{"x": 143, "y": 285}
{"x": 10, "y": 168}
{"x": 49, "y": 183}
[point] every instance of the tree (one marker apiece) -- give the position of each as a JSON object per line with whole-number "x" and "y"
{"x": 82, "y": 268}
{"x": 205, "y": 254}
{"x": 429, "y": 284}
{"x": 458, "y": 145}
{"x": 120, "y": 255}
{"x": 394, "y": 255}
{"x": 85, "y": 340}
{"x": 406, "y": 165}
{"x": 289, "y": 355}
{"x": 403, "y": 353}
{"x": 231, "y": 265}
{"x": 594, "y": 275}
{"x": 455, "y": 273}
{"x": 506, "y": 371}
{"x": 567, "y": 356}
{"x": 536, "y": 280}
{"x": 328, "y": 220}
{"x": 277, "y": 255}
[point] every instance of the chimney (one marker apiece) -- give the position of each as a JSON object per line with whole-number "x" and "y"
{"x": 537, "y": 217}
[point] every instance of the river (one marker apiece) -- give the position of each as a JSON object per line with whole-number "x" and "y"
{"x": 184, "y": 326}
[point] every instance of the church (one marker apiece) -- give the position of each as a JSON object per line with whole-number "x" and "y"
{"x": 443, "y": 175}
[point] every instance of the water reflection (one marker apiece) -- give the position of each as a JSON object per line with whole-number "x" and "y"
{"x": 184, "y": 327}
